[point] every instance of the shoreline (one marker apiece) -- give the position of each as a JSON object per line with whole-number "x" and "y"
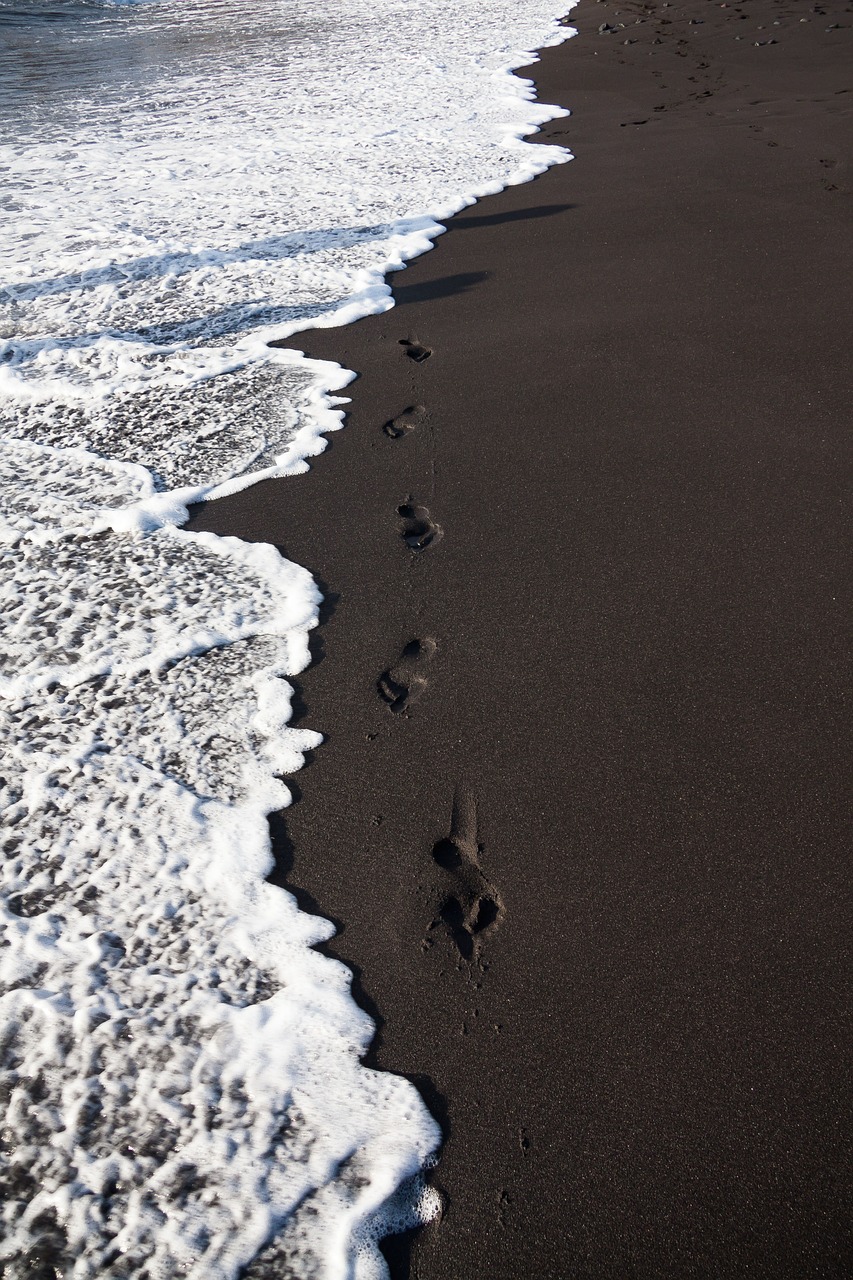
{"x": 618, "y": 742}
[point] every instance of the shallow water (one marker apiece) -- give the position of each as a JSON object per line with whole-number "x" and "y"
{"x": 183, "y": 181}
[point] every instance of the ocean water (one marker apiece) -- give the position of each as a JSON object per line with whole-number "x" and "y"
{"x": 183, "y": 181}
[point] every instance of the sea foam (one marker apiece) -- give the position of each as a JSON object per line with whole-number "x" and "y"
{"x": 185, "y": 181}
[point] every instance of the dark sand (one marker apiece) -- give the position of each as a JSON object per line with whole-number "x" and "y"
{"x": 635, "y": 447}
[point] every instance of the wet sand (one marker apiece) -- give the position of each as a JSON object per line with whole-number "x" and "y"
{"x": 581, "y": 813}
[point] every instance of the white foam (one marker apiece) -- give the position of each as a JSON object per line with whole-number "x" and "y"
{"x": 158, "y": 264}
{"x": 184, "y": 182}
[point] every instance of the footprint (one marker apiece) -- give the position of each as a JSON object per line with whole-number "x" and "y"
{"x": 414, "y": 349}
{"x": 470, "y": 906}
{"x": 417, "y": 530}
{"x": 405, "y": 421}
{"x": 403, "y": 684}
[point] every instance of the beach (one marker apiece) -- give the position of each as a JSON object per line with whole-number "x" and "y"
{"x": 580, "y": 810}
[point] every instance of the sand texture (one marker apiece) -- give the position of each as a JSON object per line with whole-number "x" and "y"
{"x": 581, "y": 811}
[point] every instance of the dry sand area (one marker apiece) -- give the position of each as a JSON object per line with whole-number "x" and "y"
{"x": 581, "y": 811}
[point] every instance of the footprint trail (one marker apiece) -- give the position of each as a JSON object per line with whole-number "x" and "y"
{"x": 404, "y": 682}
{"x": 470, "y": 906}
{"x": 417, "y": 529}
{"x": 415, "y": 350}
{"x": 405, "y": 422}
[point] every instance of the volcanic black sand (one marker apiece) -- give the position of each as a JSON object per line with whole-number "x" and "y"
{"x": 580, "y": 813}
